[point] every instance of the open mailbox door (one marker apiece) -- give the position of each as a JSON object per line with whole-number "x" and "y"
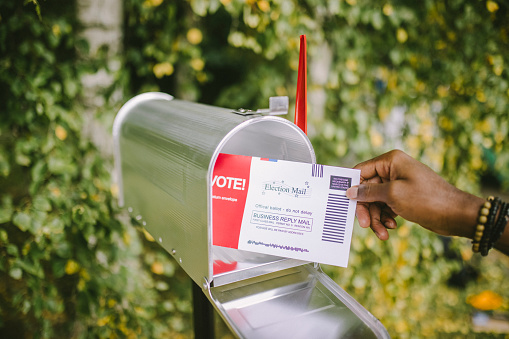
{"x": 165, "y": 152}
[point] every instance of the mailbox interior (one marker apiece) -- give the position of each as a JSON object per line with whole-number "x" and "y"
{"x": 267, "y": 137}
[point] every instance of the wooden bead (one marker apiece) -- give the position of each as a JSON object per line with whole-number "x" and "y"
{"x": 478, "y": 235}
{"x": 485, "y": 211}
{"x": 487, "y": 204}
{"x": 480, "y": 228}
{"x": 483, "y": 219}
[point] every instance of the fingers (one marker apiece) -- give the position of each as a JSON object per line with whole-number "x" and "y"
{"x": 369, "y": 192}
{"x": 363, "y": 215}
{"x": 376, "y": 222}
{"x": 378, "y": 217}
{"x": 381, "y": 165}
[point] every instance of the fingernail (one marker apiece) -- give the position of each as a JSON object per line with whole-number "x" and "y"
{"x": 351, "y": 193}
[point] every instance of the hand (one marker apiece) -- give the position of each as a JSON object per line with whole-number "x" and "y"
{"x": 396, "y": 184}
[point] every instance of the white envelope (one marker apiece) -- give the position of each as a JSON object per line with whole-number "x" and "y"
{"x": 283, "y": 208}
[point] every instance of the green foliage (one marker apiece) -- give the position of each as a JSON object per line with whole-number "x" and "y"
{"x": 68, "y": 267}
{"x": 428, "y": 77}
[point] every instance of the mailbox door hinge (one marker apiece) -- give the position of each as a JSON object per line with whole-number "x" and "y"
{"x": 277, "y": 106}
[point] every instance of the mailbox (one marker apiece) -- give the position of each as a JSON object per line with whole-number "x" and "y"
{"x": 165, "y": 151}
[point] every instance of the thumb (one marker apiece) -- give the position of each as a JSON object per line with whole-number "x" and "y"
{"x": 369, "y": 192}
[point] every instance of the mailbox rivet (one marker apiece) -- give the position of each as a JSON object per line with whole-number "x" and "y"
{"x": 160, "y": 239}
{"x": 180, "y": 260}
{"x": 138, "y": 217}
{"x": 144, "y": 223}
{"x": 173, "y": 251}
{"x": 130, "y": 209}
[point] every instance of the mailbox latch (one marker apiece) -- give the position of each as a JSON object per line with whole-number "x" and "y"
{"x": 277, "y": 106}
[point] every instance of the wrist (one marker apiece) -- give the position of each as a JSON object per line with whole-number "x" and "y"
{"x": 465, "y": 215}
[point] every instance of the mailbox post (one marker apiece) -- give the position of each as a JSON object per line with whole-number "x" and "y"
{"x": 165, "y": 152}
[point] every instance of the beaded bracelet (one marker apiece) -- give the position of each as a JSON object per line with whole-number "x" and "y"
{"x": 499, "y": 228}
{"x": 491, "y": 223}
{"x": 485, "y": 241}
{"x": 484, "y": 212}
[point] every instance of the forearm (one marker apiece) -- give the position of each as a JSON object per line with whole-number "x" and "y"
{"x": 463, "y": 217}
{"x": 462, "y": 214}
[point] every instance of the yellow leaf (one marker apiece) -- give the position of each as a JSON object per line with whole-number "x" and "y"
{"x": 84, "y": 275}
{"x": 445, "y": 123}
{"x": 480, "y": 96}
{"x": 401, "y": 326}
{"x": 194, "y": 36}
{"x": 263, "y": 5}
{"x": 157, "y": 267}
{"x": 443, "y": 91}
{"x": 163, "y": 69}
{"x": 401, "y": 35}
{"x": 486, "y": 300}
{"x": 111, "y": 303}
{"x": 61, "y": 133}
{"x": 403, "y": 231}
{"x": 197, "y": 64}
{"x": 152, "y": 3}
{"x": 498, "y": 69}
{"x": 104, "y": 320}
{"x": 148, "y": 236}
{"x": 351, "y": 64}
{"x": 492, "y": 6}
{"x": 387, "y": 9}
{"x": 201, "y": 77}
{"x": 81, "y": 285}
{"x": 114, "y": 190}
{"x": 71, "y": 267}
{"x": 56, "y": 30}
{"x": 127, "y": 238}
{"x": 440, "y": 44}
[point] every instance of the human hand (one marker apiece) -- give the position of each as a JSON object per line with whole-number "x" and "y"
{"x": 396, "y": 184}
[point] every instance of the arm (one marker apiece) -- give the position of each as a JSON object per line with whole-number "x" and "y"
{"x": 396, "y": 184}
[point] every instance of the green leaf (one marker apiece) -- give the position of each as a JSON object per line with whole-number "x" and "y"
{"x": 42, "y": 204}
{"x": 16, "y": 273}
{"x": 22, "y": 159}
{"x": 12, "y": 250}
{"x": 4, "y": 163}
{"x": 23, "y": 221}
{"x": 59, "y": 268}
{"x": 6, "y": 209}
{"x": 4, "y": 237}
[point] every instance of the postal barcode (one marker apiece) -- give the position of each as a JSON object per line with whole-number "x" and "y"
{"x": 317, "y": 171}
{"x": 335, "y": 218}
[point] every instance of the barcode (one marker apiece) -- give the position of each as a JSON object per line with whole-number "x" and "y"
{"x": 335, "y": 218}
{"x": 317, "y": 171}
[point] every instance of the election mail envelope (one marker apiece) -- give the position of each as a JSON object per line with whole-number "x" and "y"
{"x": 289, "y": 209}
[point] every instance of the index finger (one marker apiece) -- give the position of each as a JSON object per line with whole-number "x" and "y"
{"x": 376, "y": 167}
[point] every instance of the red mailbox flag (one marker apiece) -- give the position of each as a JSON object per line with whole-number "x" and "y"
{"x": 301, "y": 96}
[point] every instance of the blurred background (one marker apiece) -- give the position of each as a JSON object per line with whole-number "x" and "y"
{"x": 429, "y": 77}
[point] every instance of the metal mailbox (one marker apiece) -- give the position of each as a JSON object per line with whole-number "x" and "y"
{"x": 165, "y": 151}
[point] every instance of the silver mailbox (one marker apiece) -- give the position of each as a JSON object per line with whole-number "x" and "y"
{"x": 165, "y": 151}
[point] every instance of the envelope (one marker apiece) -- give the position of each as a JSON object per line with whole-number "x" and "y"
{"x": 283, "y": 208}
